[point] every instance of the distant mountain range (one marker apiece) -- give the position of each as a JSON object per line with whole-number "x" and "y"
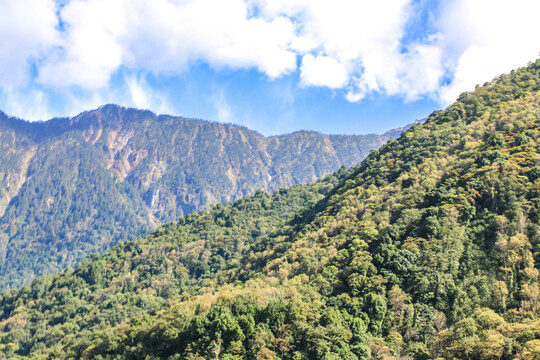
{"x": 73, "y": 186}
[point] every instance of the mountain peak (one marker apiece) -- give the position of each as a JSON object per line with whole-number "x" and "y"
{"x": 109, "y": 115}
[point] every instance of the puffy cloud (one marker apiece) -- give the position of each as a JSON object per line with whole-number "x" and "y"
{"x": 163, "y": 36}
{"x": 486, "y": 38}
{"x": 322, "y": 71}
{"x": 357, "y": 41}
{"x": 410, "y": 75}
{"x": 90, "y": 51}
{"x": 28, "y": 32}
{"x": 405, "y": 48}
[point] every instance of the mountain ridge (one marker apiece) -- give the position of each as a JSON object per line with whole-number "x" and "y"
{"x": 72, "y": 186}
{"x": 156, "y": 116}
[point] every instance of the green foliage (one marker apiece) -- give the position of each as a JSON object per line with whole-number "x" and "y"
{"x": 71, "y": 187}
{"x": 138, "y": 279}
{"x": 428, "y": 249}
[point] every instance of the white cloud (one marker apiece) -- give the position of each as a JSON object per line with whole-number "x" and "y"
{"x": 33, "y": 103}
{"x": 163, "y": 36}
{"x": 360, "y": 41}
{"x": 322, "y": 71}
{"x": 90, "y": 52}
{"x": 222, "y": 108}
{"x": 357, "y": 46}
{"x": 28, "y": 104}
{"x": 27, "y": 32}
{"x": 142, "y": 96}
{"x": 487, "y": 38}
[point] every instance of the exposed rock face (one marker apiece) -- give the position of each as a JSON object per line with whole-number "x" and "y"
{"x": 151, "y": 198}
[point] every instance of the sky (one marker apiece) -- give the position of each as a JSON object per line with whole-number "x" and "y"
{"x": 274, "y": 66}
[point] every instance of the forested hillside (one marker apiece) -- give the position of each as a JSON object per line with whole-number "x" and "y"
{"x": 70, "y": 187}
{"x": 428, "y": 249}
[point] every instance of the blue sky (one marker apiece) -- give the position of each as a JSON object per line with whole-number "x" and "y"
{"x": 275, "y": 66}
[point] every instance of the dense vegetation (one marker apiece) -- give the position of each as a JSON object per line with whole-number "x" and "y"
{"x": 70, "y": 187}
{"x": 428, "y": 249}
{"x": 137, "y": 278}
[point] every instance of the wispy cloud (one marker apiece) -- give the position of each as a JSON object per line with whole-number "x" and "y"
{"x": 223, "y": 110}
{"x": 28, "y": 104}
{"x": 143, "y": 96}
{"x": 34, "y": 103}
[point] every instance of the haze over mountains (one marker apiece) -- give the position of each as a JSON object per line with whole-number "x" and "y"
{"x": 72, "y": 186}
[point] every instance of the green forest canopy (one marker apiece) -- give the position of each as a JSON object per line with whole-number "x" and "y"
{"x": 428, "y": 249}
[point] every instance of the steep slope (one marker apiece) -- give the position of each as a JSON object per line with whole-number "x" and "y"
{"x": 137, "y": 278}
{"x": 70, "y": 187}
{"x": 428, "y": 249}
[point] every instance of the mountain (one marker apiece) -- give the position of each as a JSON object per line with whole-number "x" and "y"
{"x": 74, "y": 186}
{"x": 394, "y": 133}
{"x": 427, "y": 249}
